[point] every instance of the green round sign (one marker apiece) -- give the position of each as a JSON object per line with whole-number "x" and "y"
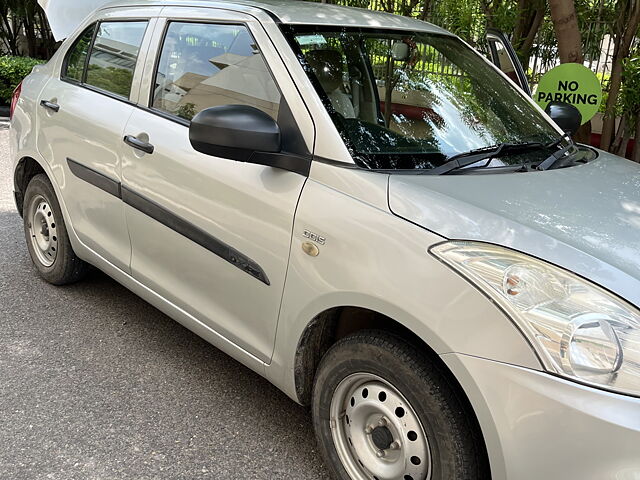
{"x": 571, "y": 83}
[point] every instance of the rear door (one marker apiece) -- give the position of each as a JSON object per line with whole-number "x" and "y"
{"x": 83, "y": 112}
{"x": 504, "y": 56}
{"x": 210, "y": 234}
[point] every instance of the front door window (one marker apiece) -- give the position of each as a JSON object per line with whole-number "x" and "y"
{"x": 208, "y": 65}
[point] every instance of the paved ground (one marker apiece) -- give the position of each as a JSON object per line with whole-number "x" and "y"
{"x": 97, "y": 384}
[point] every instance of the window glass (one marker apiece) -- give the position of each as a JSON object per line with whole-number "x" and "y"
{"x": 503, "y": 61}
{"x": 207, "y": 65}
{"x": 77, "y": 55}
{"x": 411, "y": 100}
{"x": 113, "y": 56}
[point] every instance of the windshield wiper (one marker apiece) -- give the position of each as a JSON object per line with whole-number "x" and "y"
{"x": 465, "y": 159}
{"x": 556, "y": 157}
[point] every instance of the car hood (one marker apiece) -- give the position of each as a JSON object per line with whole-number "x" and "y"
{"x": 584, "y": 218}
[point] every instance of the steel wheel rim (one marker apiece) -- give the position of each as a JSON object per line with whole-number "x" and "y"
{"x": 367, "y": 414}
{"x": 42, "y": 231}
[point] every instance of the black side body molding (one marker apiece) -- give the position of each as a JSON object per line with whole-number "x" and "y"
{"x": 169, "y": 220}
{"x": 193, "y": 233}
{"x": 95, "y": 178}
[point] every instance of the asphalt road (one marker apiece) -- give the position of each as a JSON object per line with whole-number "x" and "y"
{"x": 97, "y": 384}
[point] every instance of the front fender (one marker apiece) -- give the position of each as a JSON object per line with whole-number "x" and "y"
{"x": 380, "y": 262}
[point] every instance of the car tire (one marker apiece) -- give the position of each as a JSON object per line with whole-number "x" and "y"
{"x": 393, "y": 393}
{"x": 46, "y": 235}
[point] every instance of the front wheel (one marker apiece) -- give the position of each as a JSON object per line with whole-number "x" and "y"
{"x": 383, "y": 411}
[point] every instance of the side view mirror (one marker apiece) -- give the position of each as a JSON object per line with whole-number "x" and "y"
{"x": 400, "y": 51}
{"x": 566, "y": 116}
{"x": 235, "y": 132}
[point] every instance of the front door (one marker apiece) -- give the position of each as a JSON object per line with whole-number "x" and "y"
{"x": 209, "y": 234}
{"x": 84, "y": 112}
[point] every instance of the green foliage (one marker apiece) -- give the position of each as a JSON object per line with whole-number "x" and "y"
{"x": 470, "y": 18}
{"x": 12, "y": 71}
{"x": 629, "y": 99}
{"x": 462, "y": 17}
{"x": 112, "y": 79}
{"x": 186, "y": 111}
{"x": 630, "y": 94}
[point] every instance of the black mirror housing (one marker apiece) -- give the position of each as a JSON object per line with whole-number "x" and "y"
{"x": 235, "y": 132}
{"x": 566, "y": 116}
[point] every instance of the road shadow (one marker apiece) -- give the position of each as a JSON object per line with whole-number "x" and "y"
{"x": 131, "y": 375}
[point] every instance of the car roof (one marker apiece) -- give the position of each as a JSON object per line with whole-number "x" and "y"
{"x": 303, "y": 13}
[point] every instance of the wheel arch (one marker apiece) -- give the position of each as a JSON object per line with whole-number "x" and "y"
{"x": 334, "y": 323}
{"x": 26, "y": 168}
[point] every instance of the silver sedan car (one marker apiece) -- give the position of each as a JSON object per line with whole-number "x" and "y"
{"x": 362, "y": 209}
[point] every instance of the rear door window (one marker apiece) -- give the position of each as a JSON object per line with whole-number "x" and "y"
{"x": 113, "y": 56}
{"x": 77, "y": 56}
{"x": 207, "y": 65}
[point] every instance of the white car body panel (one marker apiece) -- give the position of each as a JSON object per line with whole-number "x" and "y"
{"x": 539, "y": 426}
{"x": 84, "y": 131}
{"x": 352, "y": 271}
{"x": 250, "y": 207}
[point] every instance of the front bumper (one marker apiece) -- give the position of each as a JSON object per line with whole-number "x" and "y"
{"x": 538, "y": 426}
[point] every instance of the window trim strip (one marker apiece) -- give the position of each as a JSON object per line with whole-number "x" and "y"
{"x": 85, "y": 69}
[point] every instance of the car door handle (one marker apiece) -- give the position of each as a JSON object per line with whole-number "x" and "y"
{"x": 138, "y": 144}
{"x": 54, "y": 107}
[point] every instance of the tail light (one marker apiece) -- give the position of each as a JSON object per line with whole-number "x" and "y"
{"x": 14, "y": 99}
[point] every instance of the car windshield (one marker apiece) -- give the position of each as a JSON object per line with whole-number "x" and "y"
{"x": 413, "y": 100}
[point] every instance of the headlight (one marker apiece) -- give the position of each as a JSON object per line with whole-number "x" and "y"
{"x": 579, "y": 330}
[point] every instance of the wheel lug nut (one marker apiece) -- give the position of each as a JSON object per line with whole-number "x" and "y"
{"x": 395, "y": 445}
{"x": 380, "y": 453}
{"x": 383, "y": 422}
{"x": 369, "y": 429}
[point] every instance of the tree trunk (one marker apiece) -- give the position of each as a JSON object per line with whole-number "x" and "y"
{"x": 426, "y": 9}
{"x": 530, "y": 15}
{"x": 45, "y": 33}
{"x": 408, "y": 8}
{"x": 32, "y": 40}
{"x": 615, "y": 146}
{"x": 623, "y": 136}
{"x": 627, "y": 27}
{"x": 636, "y": 148}
{"x": 565, "y": 24}
{"x": 488, "y": 7}
{"x": 524, "y": 51}
{"x": 622, "y": 149}
{"x": 9, "y": 28}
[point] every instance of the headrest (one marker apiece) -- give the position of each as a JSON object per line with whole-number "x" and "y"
{"x": 327, "y": 65}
